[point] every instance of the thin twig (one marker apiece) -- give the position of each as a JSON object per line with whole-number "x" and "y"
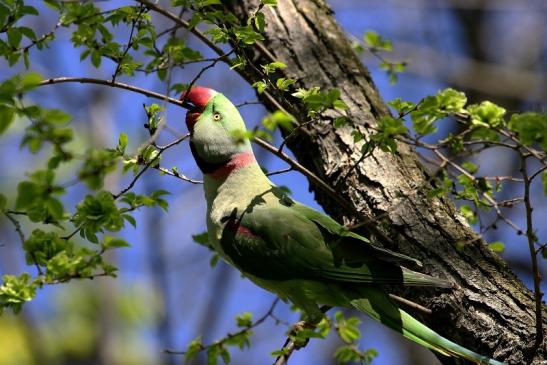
{"x": 42, "y": 38}
{"x": 410, "y": 304}
{"x": 129, "y": 42}
{"x": 531, "y": 245}
{"x": 535, "y": 174}
{"x": 290, "y": 345}
{"x": 210, "y": 44}
{"x": 178, "y": 64}
{"x": 249, "y": 102}
{"x": 19, "y": 231}
{"x": 177, "y": 174}
{"x": 17, "y": 226}
{"x": 149, "y": 164}
{"x": 282, "y": 171}
{"x": 202, "y": 71}
{"x": 89, "y": 80}
{"x": 183, "y": 23}
{"x": 487, "y": 196}
{"x": 229, "y": 336}
{"x": 298, "y": 128}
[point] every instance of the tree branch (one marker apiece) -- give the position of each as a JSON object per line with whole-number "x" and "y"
{"x": 531, "y": 236}
{"x": 491, "y": 311}
{"x": 119, "y": 85}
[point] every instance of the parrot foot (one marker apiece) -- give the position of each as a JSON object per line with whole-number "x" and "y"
{"x": 298, "y": 333}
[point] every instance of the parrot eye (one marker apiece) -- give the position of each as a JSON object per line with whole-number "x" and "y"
{"x": 217, "y": 117}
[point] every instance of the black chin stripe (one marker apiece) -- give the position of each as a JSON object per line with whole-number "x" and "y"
{"x": 204, "y": 166}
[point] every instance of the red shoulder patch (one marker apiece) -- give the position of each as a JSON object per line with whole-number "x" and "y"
{"x": 236, "y": 227}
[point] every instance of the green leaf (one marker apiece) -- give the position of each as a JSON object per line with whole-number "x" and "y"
{"x": 27, "y": 32}
{"x": 30, "y": 10}
{"x": 341, "y": 122}
{"x": 7, "y": 116}
{"x": 260, "y": 22}
{"x": 244, "y": 319}
{"x": 151, "y": 156}
{"x": 26, "y": 59}
{"x": 14, "y": 37}
{"x": 97, "y": 165}
{"x": 26, "y": 193}
{"x": 202, "y": 239}
{"x": 390, "y": 126}
{"x": 283, "y": 83}
{"x": 122, "y": 142}
{"x": 194, "y": 20}
{"x": 345, "y": 354}
{"x": 16, "y": 290}
{"x": 260, "y": 86}
{"x": 271, "y": 67}
{"x": 433, "y": 108}
{"x": 470, "y": 166}
{"x": 317, "y": 101}
{"x": 98, "y": 213}
{"x": 56, "y": 116}
{"x": 214, "y": 261}
{"x": 3, "y": 201}
{"x": 96, "y": 59}
{"x": 450, "y": 100}
{"x": 42, "y": 246}
{"x": 469, "y": 214}
{"x": 347, "y": 328}
{"x": 279, "y": 118}
{"x": 204, "y": 3}
{"x": 54, "y": 4}
{"x": 213, "y": 353}
{"x": 13, "y": 58}
{"x": 37, "y": 197}
{"x": 544, "y": 181}
{"x": 194, "y": 348}
{"x": 29, "y": 81}
{"x": 113, "y": 242}
{"x": 486, "y": 114}
{"x": 531, "y": 127}
{"x": 373, "y": 39}
{"x": 130, "y": 219}
{"x": 247, "y": 35}
{"x": 401, "y": 106}
{"x": 497, "y": 246}
{"x": 241, "y": 340}
{"x": 269, "y": 2}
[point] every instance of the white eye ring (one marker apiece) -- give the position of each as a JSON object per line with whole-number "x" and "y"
{"x": 217, "y": 117}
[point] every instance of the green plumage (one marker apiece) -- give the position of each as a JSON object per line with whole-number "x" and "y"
{"x": 292, "y": 250}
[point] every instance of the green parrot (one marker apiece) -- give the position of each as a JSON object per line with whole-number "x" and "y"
{"x": 289, "y": 249}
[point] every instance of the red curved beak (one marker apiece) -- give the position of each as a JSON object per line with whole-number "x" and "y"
{"x": 199, "y": 96}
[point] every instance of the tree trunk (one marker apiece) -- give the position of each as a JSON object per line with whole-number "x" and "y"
{"x": 491, "y": 311}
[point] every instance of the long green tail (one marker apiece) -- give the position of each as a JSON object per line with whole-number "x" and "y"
{"x": 379, "y": 306}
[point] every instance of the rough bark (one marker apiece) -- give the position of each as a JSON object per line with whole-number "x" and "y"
{"x": 491, "y": 311}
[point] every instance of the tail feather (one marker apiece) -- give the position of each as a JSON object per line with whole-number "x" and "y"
{"x": 414, "y": 278}
{"x": 375, "y": 303}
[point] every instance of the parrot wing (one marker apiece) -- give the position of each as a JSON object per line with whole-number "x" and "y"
{"x": 349, "y": 240}
{"x": 278, "y": 242}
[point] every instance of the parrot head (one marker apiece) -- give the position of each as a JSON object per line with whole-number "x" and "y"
{"x": 212, "y": 122}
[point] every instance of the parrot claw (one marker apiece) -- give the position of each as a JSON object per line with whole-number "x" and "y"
{"x": 299, "y": 338}
{"x": 300, "y": 325}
